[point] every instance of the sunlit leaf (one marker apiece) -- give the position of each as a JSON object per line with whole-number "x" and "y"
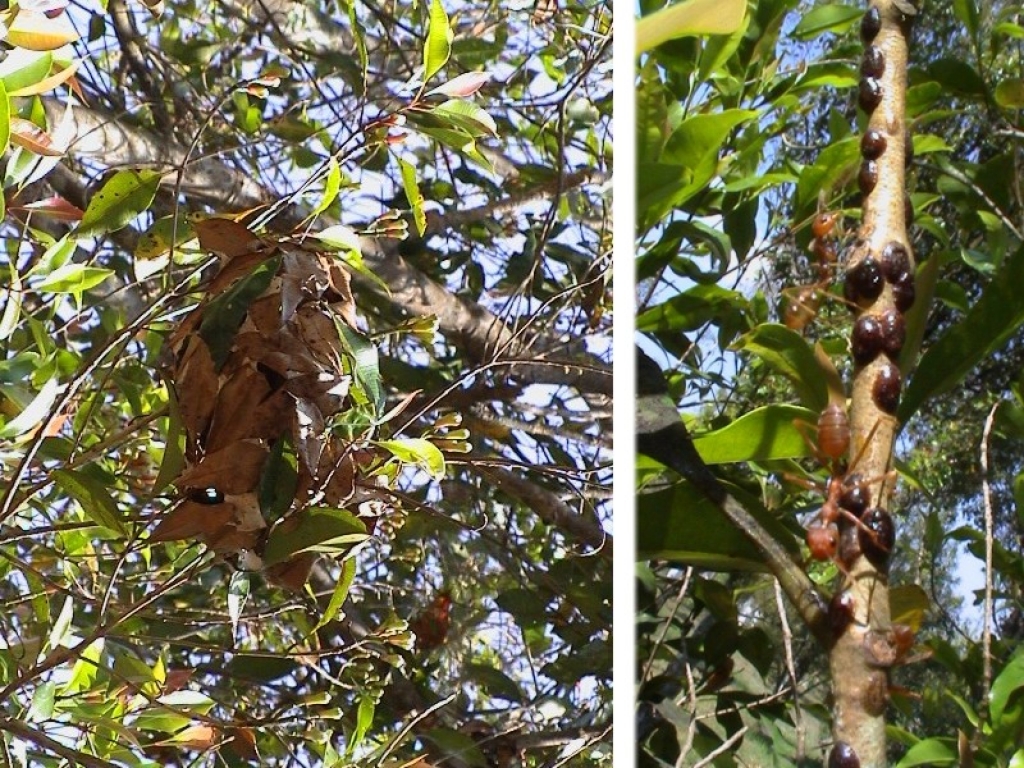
{"x": 34, "y": 413}
{"x": 26, "y": 134}
{"x": 37, "y": 32}
{"x": 318, "y": 529}
{"x": 119, "y": 201}
{"x": 689, "y": 18}
{"x": 419, "y": 452}
{"x": 94, "y": 498}
{"x": 413, "y": 194}
{"x": 439, "y": 40}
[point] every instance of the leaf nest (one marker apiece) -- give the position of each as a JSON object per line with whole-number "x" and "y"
{"x": 264, "y": 371}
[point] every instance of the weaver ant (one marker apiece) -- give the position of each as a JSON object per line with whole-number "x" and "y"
{"x": 847, "y": 498}
{"x": 804, "y": 301}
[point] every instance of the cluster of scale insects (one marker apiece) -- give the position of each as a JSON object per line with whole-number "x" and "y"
{"x": 847, "y": 524}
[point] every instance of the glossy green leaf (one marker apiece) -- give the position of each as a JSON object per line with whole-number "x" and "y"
{"x": 413, "y": 195}
{"x": 347, "y": 244}
{"x": 365, "y": 365}
{"x": 691, "y": 309}
{"x": 173, "y": 460}
{"x": 61, "y": 629}
{"x": 34, "y": 413}
{"x": 688, "y": 162}
{"x": 957, "y": 76}
{"x": 439, "y": 41}
{"x": 327, "y": 530}
{"x": 419, "y": 452}
{"x": 119, "y": 201}
{"x": 1009, "y": 93}
{"x": 73, "y": 278}
{"x": 346, "y": 577}
{"x": 332, "y": 185}
{"x": 468, "y": 116}
{"x": 930, "y": 752}
{"x": 764, "y": 434}
{"x": 680, "y": 524}
{"x": 93, "y": 496}
{"x": 837, "y": 19}
{"x": 5, "y": 118}
{"x": 1009, "y": 681}
{"x": 988, "y": 327}
{"x": 687, "y": 19}
{"x": 790, "y": 354}
{"x": 651, "y": 114}
{"x": 22, "y": 68}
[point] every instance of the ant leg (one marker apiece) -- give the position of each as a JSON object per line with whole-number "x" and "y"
{"x": 804, "y": 428}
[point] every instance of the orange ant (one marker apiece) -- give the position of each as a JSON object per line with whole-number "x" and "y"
{"x": 846, "y": 495}
{"x": 804, "y": 301}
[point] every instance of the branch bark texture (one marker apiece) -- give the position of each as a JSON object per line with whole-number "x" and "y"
{"x": 879, "y": 280}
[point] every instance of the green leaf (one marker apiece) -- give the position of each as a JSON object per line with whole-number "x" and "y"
{"x": 366, "y": 365}
{"x": 681, "y": 524}
{"x": 12, "y": 307}
{"x": 418, "y": 451}
{"x": 122, "y": 198}
{"x": 340, "y": 594}
{"x": 687, "y": 19}
{"x": 494, "y": 681}
{"x": 987, "y": 328}
{"x": 764, "y": 434}
{"x": 931, "y": 752}
{"x": 43, "y": 702}
{"x": 62, "y": 626}
{"x": 93, "y": 497}
{"x": 74, "y": 278}
{"x": 827, "y": 18}
{"x": 225, "y": 313}
{"x": 173, "y": 460}
{"x": 458, "y": 746}
{"x": 238, "y": 595}
{"x": 332, "y": 185}
{"x": 5, "y": 118}
{"x": 691, "y": 309}
{"x": 1010, "y": 93}
{"x": 468, "y": 116}
{"x": 21, "y": 68}
{"x": 439, "y": 41}
{"x": 415, "y": 197}
{"x": 364, "y": 719}
{"x": 789, "y": 353}
{"x": 278, "y": 482}
{"x": 318, "y": 529}
{"x": 34, "y": 413}
{"x": 346, "y": 242}
{"x": 1009, "y": 681}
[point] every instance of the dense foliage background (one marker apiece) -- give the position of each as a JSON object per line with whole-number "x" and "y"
{"x": 473, "y": 629}
{"x": 741, "y": 140}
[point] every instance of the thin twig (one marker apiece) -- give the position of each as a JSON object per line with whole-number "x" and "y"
{"x": 725, "y": 745}
{"x": 986, "y": 491}
{"x": 787, "y": 643}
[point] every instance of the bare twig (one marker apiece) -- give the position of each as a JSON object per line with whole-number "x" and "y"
{"x": 986, "y": 633}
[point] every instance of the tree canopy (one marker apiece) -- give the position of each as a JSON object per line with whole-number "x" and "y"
{"x": 306, "y": 406}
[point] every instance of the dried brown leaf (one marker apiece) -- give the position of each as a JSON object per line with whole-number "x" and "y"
{"x": 265, "y": 314}
{"x": 234, "y": 469}
{"x": 225, "y": 237}
{"x": 191, "y": 520}
{"x": 292, "y": 574}
{"x": 240, "y": 395}
{"x": 195, "y": 383}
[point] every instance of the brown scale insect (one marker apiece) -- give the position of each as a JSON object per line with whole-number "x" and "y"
{"x": 873, "y": 62}
{"x": 843, "y": 756}
{"x": 872, "y": 144}
{"x": 868, "y": 177}
{"x": 869, "y": 94}
{"x": 870, "y": 25}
